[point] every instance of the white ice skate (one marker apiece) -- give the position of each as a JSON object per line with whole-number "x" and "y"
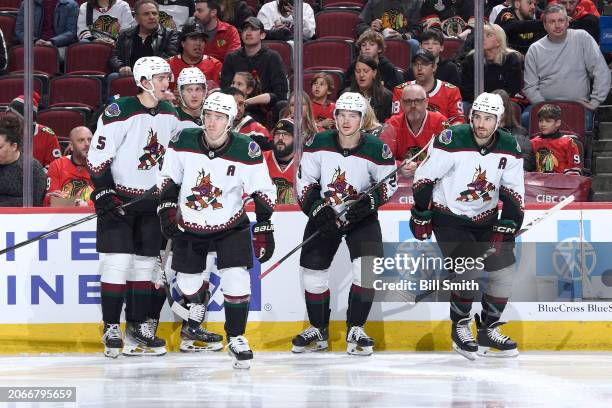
{"x": 239, "y": 350}
{"x": 358, "y": 343}
{"x": 112, "y": 339}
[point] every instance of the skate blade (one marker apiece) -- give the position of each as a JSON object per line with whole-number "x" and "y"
{"x": 195, "y": 346}
{"x": 313, "y": 348}
{"x": 470, "y": 355}
{"x": 112, "y": 352}
{"x": 495, "y": 353}
{"x": 241, "y": 364}
{"x": 140, "y": 350}
{"x": 355, "y": 350}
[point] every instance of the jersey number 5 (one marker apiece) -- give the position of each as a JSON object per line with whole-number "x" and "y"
{"x": 101, "y": 143}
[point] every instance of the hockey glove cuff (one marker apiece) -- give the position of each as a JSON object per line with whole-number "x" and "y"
{"x": 363, "y": 208}
{"x": 263, "y": 240}
{"x": 324, "y": 218}
{"x": 420, "y": 224}
{"x": 106, "y": 202}
{"x": 503, "y": 231}
{"x": 168, "y": 220}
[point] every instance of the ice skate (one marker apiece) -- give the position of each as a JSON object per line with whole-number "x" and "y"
{"x": 141, "y": 341}
{"x": 492, "y": 343}
{"x": 358, "y": 343}
{"x": 238, "y": 348}
{"x": 311, "y": 339}
{"x": 463, "y": 339}
{"x": 199, "y": 339}
{"x": 113, "y": 342}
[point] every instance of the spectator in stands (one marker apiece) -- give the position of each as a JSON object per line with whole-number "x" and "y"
{"x": 497, "y": 8}
{"x": 102, "y": 20}
{"x": 521, "y": 23}
{"x": 264, "y": 64}
{"x": 581, "y": 18}
{"x": 55, "y": 22}
{"x": 321, "y": 88}
{"x": 554, "y": 151}
{"x": 503, "y": 66}
{"x": 394, "y": 19}
{"x": 235, "y": 12}
{"x": 148, "y": 38}
{"x": 11, "y": 171}
{"x": 455, "y": 18}
{"x": 223, "y": 38}
{"x": 277, "y": 18}
{"x": 281, "y": 165}
{"x": 68, "y": 179}
{"x": 309, "y": 125}
{"x": 443, "y": 97}
{"x": 3, "y": 53}
{"x": 560, "y": 66}
{"x": 510, "y": 123}
{"x": 174, "y": 14}
{"x": 245, "y": 124}
{"x": 372, "y": 44}
{"x": 45, "y": 146}
{"x": 371, "y": 125}
{"x": 409, "y": 131}
{"x": 193, "y": 39}
{"x": 367, "y": 82}
{"x": 247, "y": 83}
{"x": 447, "y": 70}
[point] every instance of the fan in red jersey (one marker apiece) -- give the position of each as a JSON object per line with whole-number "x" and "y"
{"x": 281, "y": 163}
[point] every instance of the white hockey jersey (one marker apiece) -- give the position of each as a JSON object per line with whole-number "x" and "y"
{"x": 128, "y": 147}
{"x": 465, "y": 181}
{"x": 212, "y": 183}
{"x": 337, "y": 175}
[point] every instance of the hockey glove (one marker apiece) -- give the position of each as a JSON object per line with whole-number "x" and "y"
{"x": 420, "y": 224}
{"x": 263, "y": 240}
{"x": 324, "y": 218}
{"x": 168, "y": 220}
{"x": 363, "y": 208}
{"x": 106, "y": 203}
{"x": 503, "y": 231}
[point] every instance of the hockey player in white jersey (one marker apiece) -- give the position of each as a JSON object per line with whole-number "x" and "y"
{"x": 204, "y": 175}
{"x": 338, "y": 166}
{"x": 191, "y": 87}
{"x": 469, "y": 168}
{"x": 124, "y": 160}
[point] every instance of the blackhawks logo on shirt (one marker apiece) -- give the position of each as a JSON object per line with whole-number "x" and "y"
{"x": 153, "y": 153}
{"x": 204, "y": 194}
{"x": 339, "y": 188}
{"x": 77, "y": 188}
{"x": 478, "y": 188}
{"x": 284, "y": 191}
{"x": 546, "y": 162}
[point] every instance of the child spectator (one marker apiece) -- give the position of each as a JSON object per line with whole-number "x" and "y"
{"x": 322, "y": 87}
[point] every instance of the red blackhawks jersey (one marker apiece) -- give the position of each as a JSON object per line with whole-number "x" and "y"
{"x": 210, "y": 67}
{"x": 46, "y": 147}
{"x": 250, "y": 127}
{"x": 443, "y": 97}
{"x": 404, "y": 142}
{"x": 283, "y": 178}
{"x": 322, "y": 112}
{"x": 556, "y": 154}
{"x": 69, "y": 178}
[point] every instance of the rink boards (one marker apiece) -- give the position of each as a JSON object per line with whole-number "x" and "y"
{"x": 49, "y": 291}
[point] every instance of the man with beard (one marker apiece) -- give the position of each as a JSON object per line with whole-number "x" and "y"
{"x": 581, "y": 18}
{"x": 522, "y": 24}
{"x": 223, "y": 37}
{"x": 280, "y": 161}
{"x": 245, "y": 124}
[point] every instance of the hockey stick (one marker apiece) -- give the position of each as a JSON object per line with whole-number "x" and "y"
{"x": 75, "y": 223}
{"x": 176, "y": 307}
{"x": 348, "y": 207}
{"x": 558, "y": 207}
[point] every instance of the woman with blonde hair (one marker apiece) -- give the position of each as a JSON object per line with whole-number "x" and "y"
{"x": 503, "y": 66}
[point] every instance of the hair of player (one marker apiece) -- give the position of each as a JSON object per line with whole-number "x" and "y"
{"x": 251, "y": 82}
{"x": 552, "y": 9}
{"x": 432, "y": 34}
{"x": 141, "y": 3}
{"x": 10, "y": 135}
{"x": 373, "y": 36}
{"x": 326, "y": 77}
{"x": 377, "y": 89}
{"x": 550, "y": 111}
{"x": 232, "y": 90}
{"x": 212, "y": 5}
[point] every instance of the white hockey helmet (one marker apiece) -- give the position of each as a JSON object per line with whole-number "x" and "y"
{"x": 222, "y": 103}
{"x": 147, "y": 67}
{"x": 190, "y": 76}
{"x": 352, "y": 101}
{"x": 489, "y": 103}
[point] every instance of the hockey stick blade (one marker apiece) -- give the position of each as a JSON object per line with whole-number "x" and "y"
{"x": 73, "y": 224}
{"x": 177, "y": 308}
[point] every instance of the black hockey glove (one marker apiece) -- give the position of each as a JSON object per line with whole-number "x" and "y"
{"x": 263, "y": 240}
{"x": 106, "y": 202}
{"x": 503, "y": 231}
{"x": 420, "y": 224}
{"x": 324, "y": 218}
{"x": 363, "y": 208}
{"x": 167, "y": 211}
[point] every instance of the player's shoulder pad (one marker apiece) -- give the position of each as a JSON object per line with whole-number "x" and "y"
{"x": 376, "y": 150}
{"x": 321, "y": 141}
{"x": 244, "y": 149}
{"x": 507, "y": 143}
{"x": 455, "y": 137}
{"x": 186, "y": 139}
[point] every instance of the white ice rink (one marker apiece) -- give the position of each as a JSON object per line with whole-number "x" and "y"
{"x": 551, "y": 379}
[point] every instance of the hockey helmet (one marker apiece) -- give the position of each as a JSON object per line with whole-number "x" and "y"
{"x": 489, "y": 103}
{"x": 190, "y": 76}
{"x": 147, "y": 67}
{"x": 222, "y": 103}
{"x": 352, "y": 101}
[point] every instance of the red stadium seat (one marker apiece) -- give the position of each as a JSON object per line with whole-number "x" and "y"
{"x": 11, "y": 86}
{"x": 123, "y": 86}
{"x": 61, "y": 120}
{"x": 451, "y": 47}
{"x": 398, "y": 52}
{"x": 336, "y": 24}
{"x": 358, "y": 4}
{"x": 337, "y": 76}
{"x": 285, "y": 51}
{"x": 572, "y": 118}
{"x": 10, "y": 5}
{"x": 46, "y": 60}
{"x": 74, "y": 90}
{"x": 92, "y": 58}
{"x": 327, "y": 53}
{"x": 7, "y": 25}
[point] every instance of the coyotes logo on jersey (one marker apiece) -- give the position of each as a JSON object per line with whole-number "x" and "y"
{"x": 154, "y": 153}
{"x": 339, "y": 188}
{"x": 478, "y": 188}
{"x": 546, "y": 162}
{"x": 204, "y": 194}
